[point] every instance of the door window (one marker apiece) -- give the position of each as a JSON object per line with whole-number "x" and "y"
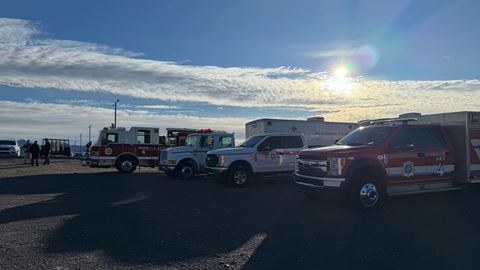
{"x": 270, "y": 144}
{"x": 418, "y": 138}
{"x": 292, "y": 142}
{"x": 112, "y": 138}
{"x": 225, "y": 141}
{"x": 143, "y": 136}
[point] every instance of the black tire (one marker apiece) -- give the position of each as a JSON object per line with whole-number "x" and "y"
{"x": 185, "y": 170}
{"x": 239, "y": 175}
{"x": 170, "y": 174}
{"x": 126, "y": 164}
{"x": 366, "y": 193}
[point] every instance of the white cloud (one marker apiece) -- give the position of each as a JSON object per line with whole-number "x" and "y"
{"x": 157, "y": 107}
{"x": 39, "y": 120}
{"x": 27, "y": 59}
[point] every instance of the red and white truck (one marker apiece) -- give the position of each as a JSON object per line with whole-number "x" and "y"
{"x": 139, "y": 146}
{"x": 407, "y": 155}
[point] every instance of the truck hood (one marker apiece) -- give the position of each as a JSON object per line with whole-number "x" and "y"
{"x": 338, "y": 151}
{"x": 180, "y": 149}
{"x": 229, "y": 151}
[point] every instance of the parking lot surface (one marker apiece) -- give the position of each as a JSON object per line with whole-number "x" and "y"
{"x": 106, "y": 220}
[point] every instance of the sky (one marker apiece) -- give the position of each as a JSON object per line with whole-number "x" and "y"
{"x": 220, "y": 64}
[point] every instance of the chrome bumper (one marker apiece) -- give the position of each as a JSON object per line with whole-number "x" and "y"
{"x": 308, "y": 181}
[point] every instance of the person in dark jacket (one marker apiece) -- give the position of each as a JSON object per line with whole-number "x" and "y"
{"x": 34, "y": 151}
{"x": 46, "y": 152}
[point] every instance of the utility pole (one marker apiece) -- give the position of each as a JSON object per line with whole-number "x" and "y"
{"x": 115, "y": 104}
{"x": 89, "y": 133}
{"x": 81, "y": 145}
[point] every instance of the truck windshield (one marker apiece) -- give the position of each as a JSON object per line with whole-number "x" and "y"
{"x": 192, "y": 140}
{"x": 6, "y": 142}
{"x": 366, "y": 136}
{"x": 252, "y": 141}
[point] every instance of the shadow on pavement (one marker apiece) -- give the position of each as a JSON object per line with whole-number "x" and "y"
{"x": 148, "y": 218}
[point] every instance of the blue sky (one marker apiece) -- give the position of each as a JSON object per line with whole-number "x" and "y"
{"x": 223, "y": 63}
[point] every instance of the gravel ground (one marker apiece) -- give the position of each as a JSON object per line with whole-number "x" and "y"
{"x": 99, "y": 219}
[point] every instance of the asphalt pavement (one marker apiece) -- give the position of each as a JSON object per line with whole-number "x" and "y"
{"x": 148, "y": 221}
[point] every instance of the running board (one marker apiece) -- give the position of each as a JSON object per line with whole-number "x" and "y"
{"x": 421, "y": 188}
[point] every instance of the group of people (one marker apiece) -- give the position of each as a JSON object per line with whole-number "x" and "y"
{"x": 33, "y": 150}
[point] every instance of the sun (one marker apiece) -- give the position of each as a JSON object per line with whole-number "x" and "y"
{"x": 341, "y": 72}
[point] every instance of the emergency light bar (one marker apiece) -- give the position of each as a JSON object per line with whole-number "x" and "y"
{"x": 384, "y": 121}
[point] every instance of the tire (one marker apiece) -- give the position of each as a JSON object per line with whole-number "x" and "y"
{"x": 366, "y": 194}
{"x": 186, "y": 170}
{"x": 170, "y": 174}
{"x": 126, "y": 164}
{"x": 239, "y": 175}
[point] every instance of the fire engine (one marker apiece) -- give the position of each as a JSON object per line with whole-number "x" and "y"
{"x": 410, "y": 154}
{"x": 139, "y": 146}
{"x": 125, "y": 149}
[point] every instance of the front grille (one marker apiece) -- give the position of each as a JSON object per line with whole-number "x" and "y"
{"x": 163, "y": 155}
{"x": 212, "y": 160}
{"x": 4, "y": 148}
{"x": 312, "y": 167}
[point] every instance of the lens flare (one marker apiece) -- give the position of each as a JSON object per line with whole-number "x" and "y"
{"x": 341, "y": 72}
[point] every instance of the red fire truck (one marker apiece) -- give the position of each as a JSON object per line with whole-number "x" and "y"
{"x": 139, "y": 146}
{"x": 410, "y": 154}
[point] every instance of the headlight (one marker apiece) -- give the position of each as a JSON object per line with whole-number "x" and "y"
{"x": 221, "y": 160}
{"x": 172, "y": 162}
{"x": 335, "y": 166}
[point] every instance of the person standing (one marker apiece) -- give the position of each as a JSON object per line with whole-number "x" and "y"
{"x": 26, "y": 152}
{"x": 34, "y": 150}
{"x": 46, "y": 152}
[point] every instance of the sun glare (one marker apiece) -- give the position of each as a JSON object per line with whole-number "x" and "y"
{"x": 341, "y": 72}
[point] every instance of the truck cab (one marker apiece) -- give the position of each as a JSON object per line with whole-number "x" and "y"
{"x": 388, "y": 157}
{"x": 260, "y": 154}
{"x": 187, "y": 161}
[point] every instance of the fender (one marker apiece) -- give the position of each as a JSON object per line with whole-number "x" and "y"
{"x": 129, "y": 154}
{"x": 359, "y": 164}
{"x": 186, "y": 159}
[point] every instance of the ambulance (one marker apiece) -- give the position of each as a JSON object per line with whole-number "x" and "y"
{"x": 410, "y": 154}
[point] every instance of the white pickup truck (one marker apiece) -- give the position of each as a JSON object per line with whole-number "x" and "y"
{"x": 260, "y": 154}
{"x": 187, "y": 161}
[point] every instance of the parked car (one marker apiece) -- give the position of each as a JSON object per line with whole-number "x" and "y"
{"x": 9, "y": 148}
{"x": 260, "y": 154}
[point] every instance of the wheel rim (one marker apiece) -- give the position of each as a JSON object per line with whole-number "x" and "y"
{"x": 127, "y": 165}
{"x": 187, "y": 171}
{"x": 240, "y": 177}
{"x": 368, "y": 194}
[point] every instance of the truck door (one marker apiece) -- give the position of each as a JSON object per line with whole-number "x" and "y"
{"x": 200, "y": 153}
{"x": 267, "y": 159}
{"x": 291, "y": 145}
{"x": 419, "y": 154}
{"x": 474, "y": 144}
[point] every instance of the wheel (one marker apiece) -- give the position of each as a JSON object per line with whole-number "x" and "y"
{"x": 170, "y": 174}
{"x": 126, "y": 164}
{"x": 367, "y": 194}
{"x": 239, "y": 175}
{"x": 186, "y": 170}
